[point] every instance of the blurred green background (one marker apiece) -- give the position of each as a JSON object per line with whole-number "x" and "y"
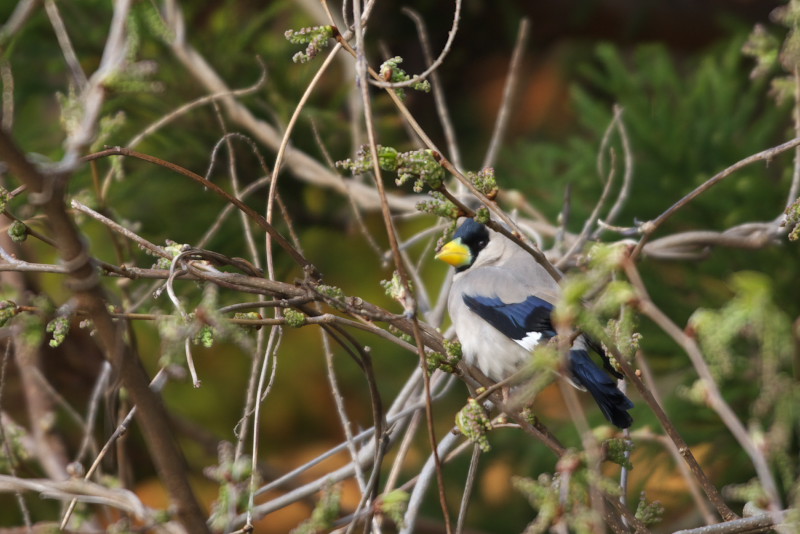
{"x": 690, "y": 107}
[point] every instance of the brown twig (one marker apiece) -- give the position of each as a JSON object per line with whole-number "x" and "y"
{"x": 408, "y": 301}
{"x": 714, "y": 396}
{"x": 436, "y": 88}
{"x": 710, "y": 490}
{"x": 509, "y": 93}
{"x": 650, "y": 227}
{"x": 255, "y": 216}
{"x": 48, "y": 193}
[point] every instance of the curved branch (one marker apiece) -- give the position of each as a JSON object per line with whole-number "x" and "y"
{"x": 451, "y": 35}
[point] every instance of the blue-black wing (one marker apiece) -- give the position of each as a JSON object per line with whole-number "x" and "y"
{"x": 520, "y": 321}
{"x": 528, "y": 322}
{"x": 612, "y": 402}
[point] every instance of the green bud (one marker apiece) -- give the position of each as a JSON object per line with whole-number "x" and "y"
{"x": 59, "y": 327}
{"x": 4, "y": 198}
{"x": 330, "y": 291}
{"x": 205, "y": 336}
{"x": 485, "y": 182}
{"x": 482, "y": 215}
{"x": 18, "y": 232}
{"x": 315, "y": 37}
{"x": 294, "y": 318}
{"x": 617, "y": 449}
{"x": 393, "y": 505}
{"x": 649, "y": 513}
{"x": 473, "y": 422}
{"x": 8, "y": 309}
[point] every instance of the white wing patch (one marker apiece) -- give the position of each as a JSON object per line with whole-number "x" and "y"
{"x": 530, "y": 340}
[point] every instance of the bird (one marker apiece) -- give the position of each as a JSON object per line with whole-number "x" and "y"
{"x": 500, "y": 304}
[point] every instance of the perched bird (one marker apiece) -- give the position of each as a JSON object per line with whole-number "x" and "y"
{"x": 500, "y": 304}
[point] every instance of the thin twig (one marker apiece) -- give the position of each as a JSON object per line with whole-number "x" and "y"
{"x": 713, "y": 395}
{"x": 256, "y": 217}
{"x": 436, "y": 86}
{"x": 7, "y": 107}
{"x": 694, "y": 489}
{"x": 451, "y": 35}
{"x": 276, "y": 168}
{"x": 10, "y": 456}
{"x": 794, "y": 189}
{"x": 157, "y": 384}
{"x": 509, "y": 92}
{"x": 409, "y": 303}
{"x": 262, "y": 390}
{"x": 469, "y": 484}
{"x": 583, "y": 237}
{"x": 78, "y": 76}
{"x": 118, "y": 228}
{"x": 650, "y": 227}
{"x": 341, "y": 410}
{"x": 759, "y": 523}
{"x": 627, "y": 176}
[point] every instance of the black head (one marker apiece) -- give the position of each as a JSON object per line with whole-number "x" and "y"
{"x": 473, "y": 235}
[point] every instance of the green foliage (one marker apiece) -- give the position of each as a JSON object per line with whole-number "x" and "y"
{"x": 752, "y": 336}
{"x": 422, "y": 166}
{"x": 598, "y": 302}
{"x": 8, "y": 310}
{"x": 204, "y": 337}
{"x": 59, "y": 328}
{"x": 294, "y": 318}
{"x": 173, "y": 249}
{"x": 4, "y": 198}
{"x": 561, "y": 500}
{"x": 147, "y": 15}
{"x": 750, "y": 315}
{"x": 439, "y": 205}
{"x": 398, "y": 291}
{"x": 446, "y": 362}
{"x": 332, "y": 292}
{"x": 391, "y": 72}
{"x": 484, "y": 181}
{"x": 482, "y": 215}
{"x": 768, "y": 52}
{"x": 109, "y": 126}
{"x": 315, "y": 37}
{"x": 685, "y": 121}
{"x": 436, "y": 360}
{"x": 233, "y": 476}
{"x": 763, "y": 47}
{"x": 393, "y": 505}
{"x": 793, "y": 220}
{"x": 15, "y": 437}
{"x": 618, "y": 451}
{"x": 325, "y": 512}
{"x": 18, "y": 231}
{"x": 649, "y": 513}
{"x": 473, "y": 422}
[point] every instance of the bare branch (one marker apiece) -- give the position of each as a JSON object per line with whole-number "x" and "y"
{"x": 509, "y": 92}
{"x": 451, "y": 35}
{"x": 78, "y": 76}
{"x": 650, "y": 227}
{"x": 436, "y": 87}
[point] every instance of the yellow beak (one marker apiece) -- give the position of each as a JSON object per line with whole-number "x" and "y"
{"x": 455, "y": 253}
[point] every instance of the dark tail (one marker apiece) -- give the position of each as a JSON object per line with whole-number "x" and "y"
{"x": 612, "y": 401}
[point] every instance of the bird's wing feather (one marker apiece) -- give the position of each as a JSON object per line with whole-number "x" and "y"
{"x": 525, "y": 322}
